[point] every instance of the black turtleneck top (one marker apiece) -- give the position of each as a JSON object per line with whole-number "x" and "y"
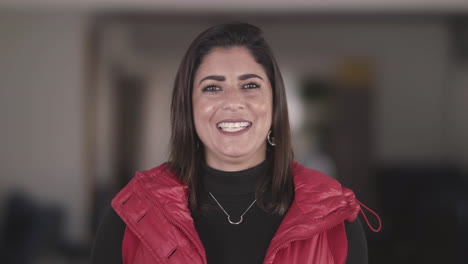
{"x": 226, "y": 243}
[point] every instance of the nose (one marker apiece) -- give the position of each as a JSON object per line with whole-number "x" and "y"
{"x": 233, "y": 100}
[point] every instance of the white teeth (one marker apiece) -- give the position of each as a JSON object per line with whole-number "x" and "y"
{"x": 233, "y": 126}
{"x": 232, "y": 129}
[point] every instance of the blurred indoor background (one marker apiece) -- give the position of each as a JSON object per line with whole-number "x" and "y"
{"x": 377, "y": 91}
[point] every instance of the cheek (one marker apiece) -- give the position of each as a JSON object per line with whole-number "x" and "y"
{"x": 265, "y": 109}
{"x": 202, "y": 112}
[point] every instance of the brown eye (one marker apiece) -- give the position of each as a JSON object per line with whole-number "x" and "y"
{"x": 211, "y": 88}
{"x": 251, "y": 85}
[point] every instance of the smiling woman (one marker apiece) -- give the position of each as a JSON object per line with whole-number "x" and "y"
{"x": 232, "y": 106}
{"x": 231, "y": 192}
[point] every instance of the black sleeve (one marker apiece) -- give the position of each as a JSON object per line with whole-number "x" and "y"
{"x": 107, "y": 246}
{"x": 357, "y": 245}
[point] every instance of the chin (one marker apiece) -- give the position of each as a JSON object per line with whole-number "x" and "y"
{"x": 239, "y": 151}
{"x": 235, "y": 153}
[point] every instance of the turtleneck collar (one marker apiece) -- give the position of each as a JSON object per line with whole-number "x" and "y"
{"x": 232, "y": 182}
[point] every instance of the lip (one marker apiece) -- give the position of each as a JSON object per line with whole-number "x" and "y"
{"x": 233, "y": 121}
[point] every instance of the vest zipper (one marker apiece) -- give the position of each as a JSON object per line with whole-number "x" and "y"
{"x": 199, "y": 249}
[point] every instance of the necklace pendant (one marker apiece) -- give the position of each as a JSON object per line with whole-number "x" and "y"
{"x": 235, "y": 223}
{"x": 228, "y": 216}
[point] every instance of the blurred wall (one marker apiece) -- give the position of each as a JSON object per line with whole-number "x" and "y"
{"x": 457, "y": 111}
{"x": 41, "y": 111}
{"x": 410, "y": 60}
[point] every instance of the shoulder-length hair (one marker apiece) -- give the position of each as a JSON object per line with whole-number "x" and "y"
{"x": 186, "y": 151}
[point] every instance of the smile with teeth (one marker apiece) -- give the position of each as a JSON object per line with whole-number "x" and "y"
{"x": 233, "y": 126}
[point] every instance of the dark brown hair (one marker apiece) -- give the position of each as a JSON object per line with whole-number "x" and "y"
{"x": 187, "y": 152}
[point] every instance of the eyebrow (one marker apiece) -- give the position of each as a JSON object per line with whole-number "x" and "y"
{"x": 248, "y": 76}
{"x": 218, "y": 78}
{"x": 221, "y": 78}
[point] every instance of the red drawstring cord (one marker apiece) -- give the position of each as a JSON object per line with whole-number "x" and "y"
{"x": 367, "y": 220}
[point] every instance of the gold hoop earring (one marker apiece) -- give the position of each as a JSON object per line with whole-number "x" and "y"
{"x": 271, "y": 140}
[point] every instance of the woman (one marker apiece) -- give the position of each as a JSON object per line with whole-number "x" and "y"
{"x": 231, "y": 192}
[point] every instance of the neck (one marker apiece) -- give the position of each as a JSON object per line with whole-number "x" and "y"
{"x": 232, "y": 182}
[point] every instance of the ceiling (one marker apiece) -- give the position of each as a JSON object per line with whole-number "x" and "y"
{"x": 413, "y": 6}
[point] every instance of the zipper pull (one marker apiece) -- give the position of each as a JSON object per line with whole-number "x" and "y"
{"x": 367, "y": 220}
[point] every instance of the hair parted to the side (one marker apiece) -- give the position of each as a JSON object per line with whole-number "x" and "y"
{"x": 186, "y": 151}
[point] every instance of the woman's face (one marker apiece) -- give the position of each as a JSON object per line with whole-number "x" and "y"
{"x": 232, "y": 106}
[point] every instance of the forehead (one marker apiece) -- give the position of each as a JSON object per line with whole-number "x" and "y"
{"x": 229, "y": 60}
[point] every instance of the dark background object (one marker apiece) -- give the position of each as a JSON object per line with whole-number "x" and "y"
{"x": 460, "y": 39}
{"x": 29, "y": 229}
{"x": 423, "y": 208}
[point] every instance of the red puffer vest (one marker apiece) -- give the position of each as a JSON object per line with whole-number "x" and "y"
{"x": 160, "y": 228}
